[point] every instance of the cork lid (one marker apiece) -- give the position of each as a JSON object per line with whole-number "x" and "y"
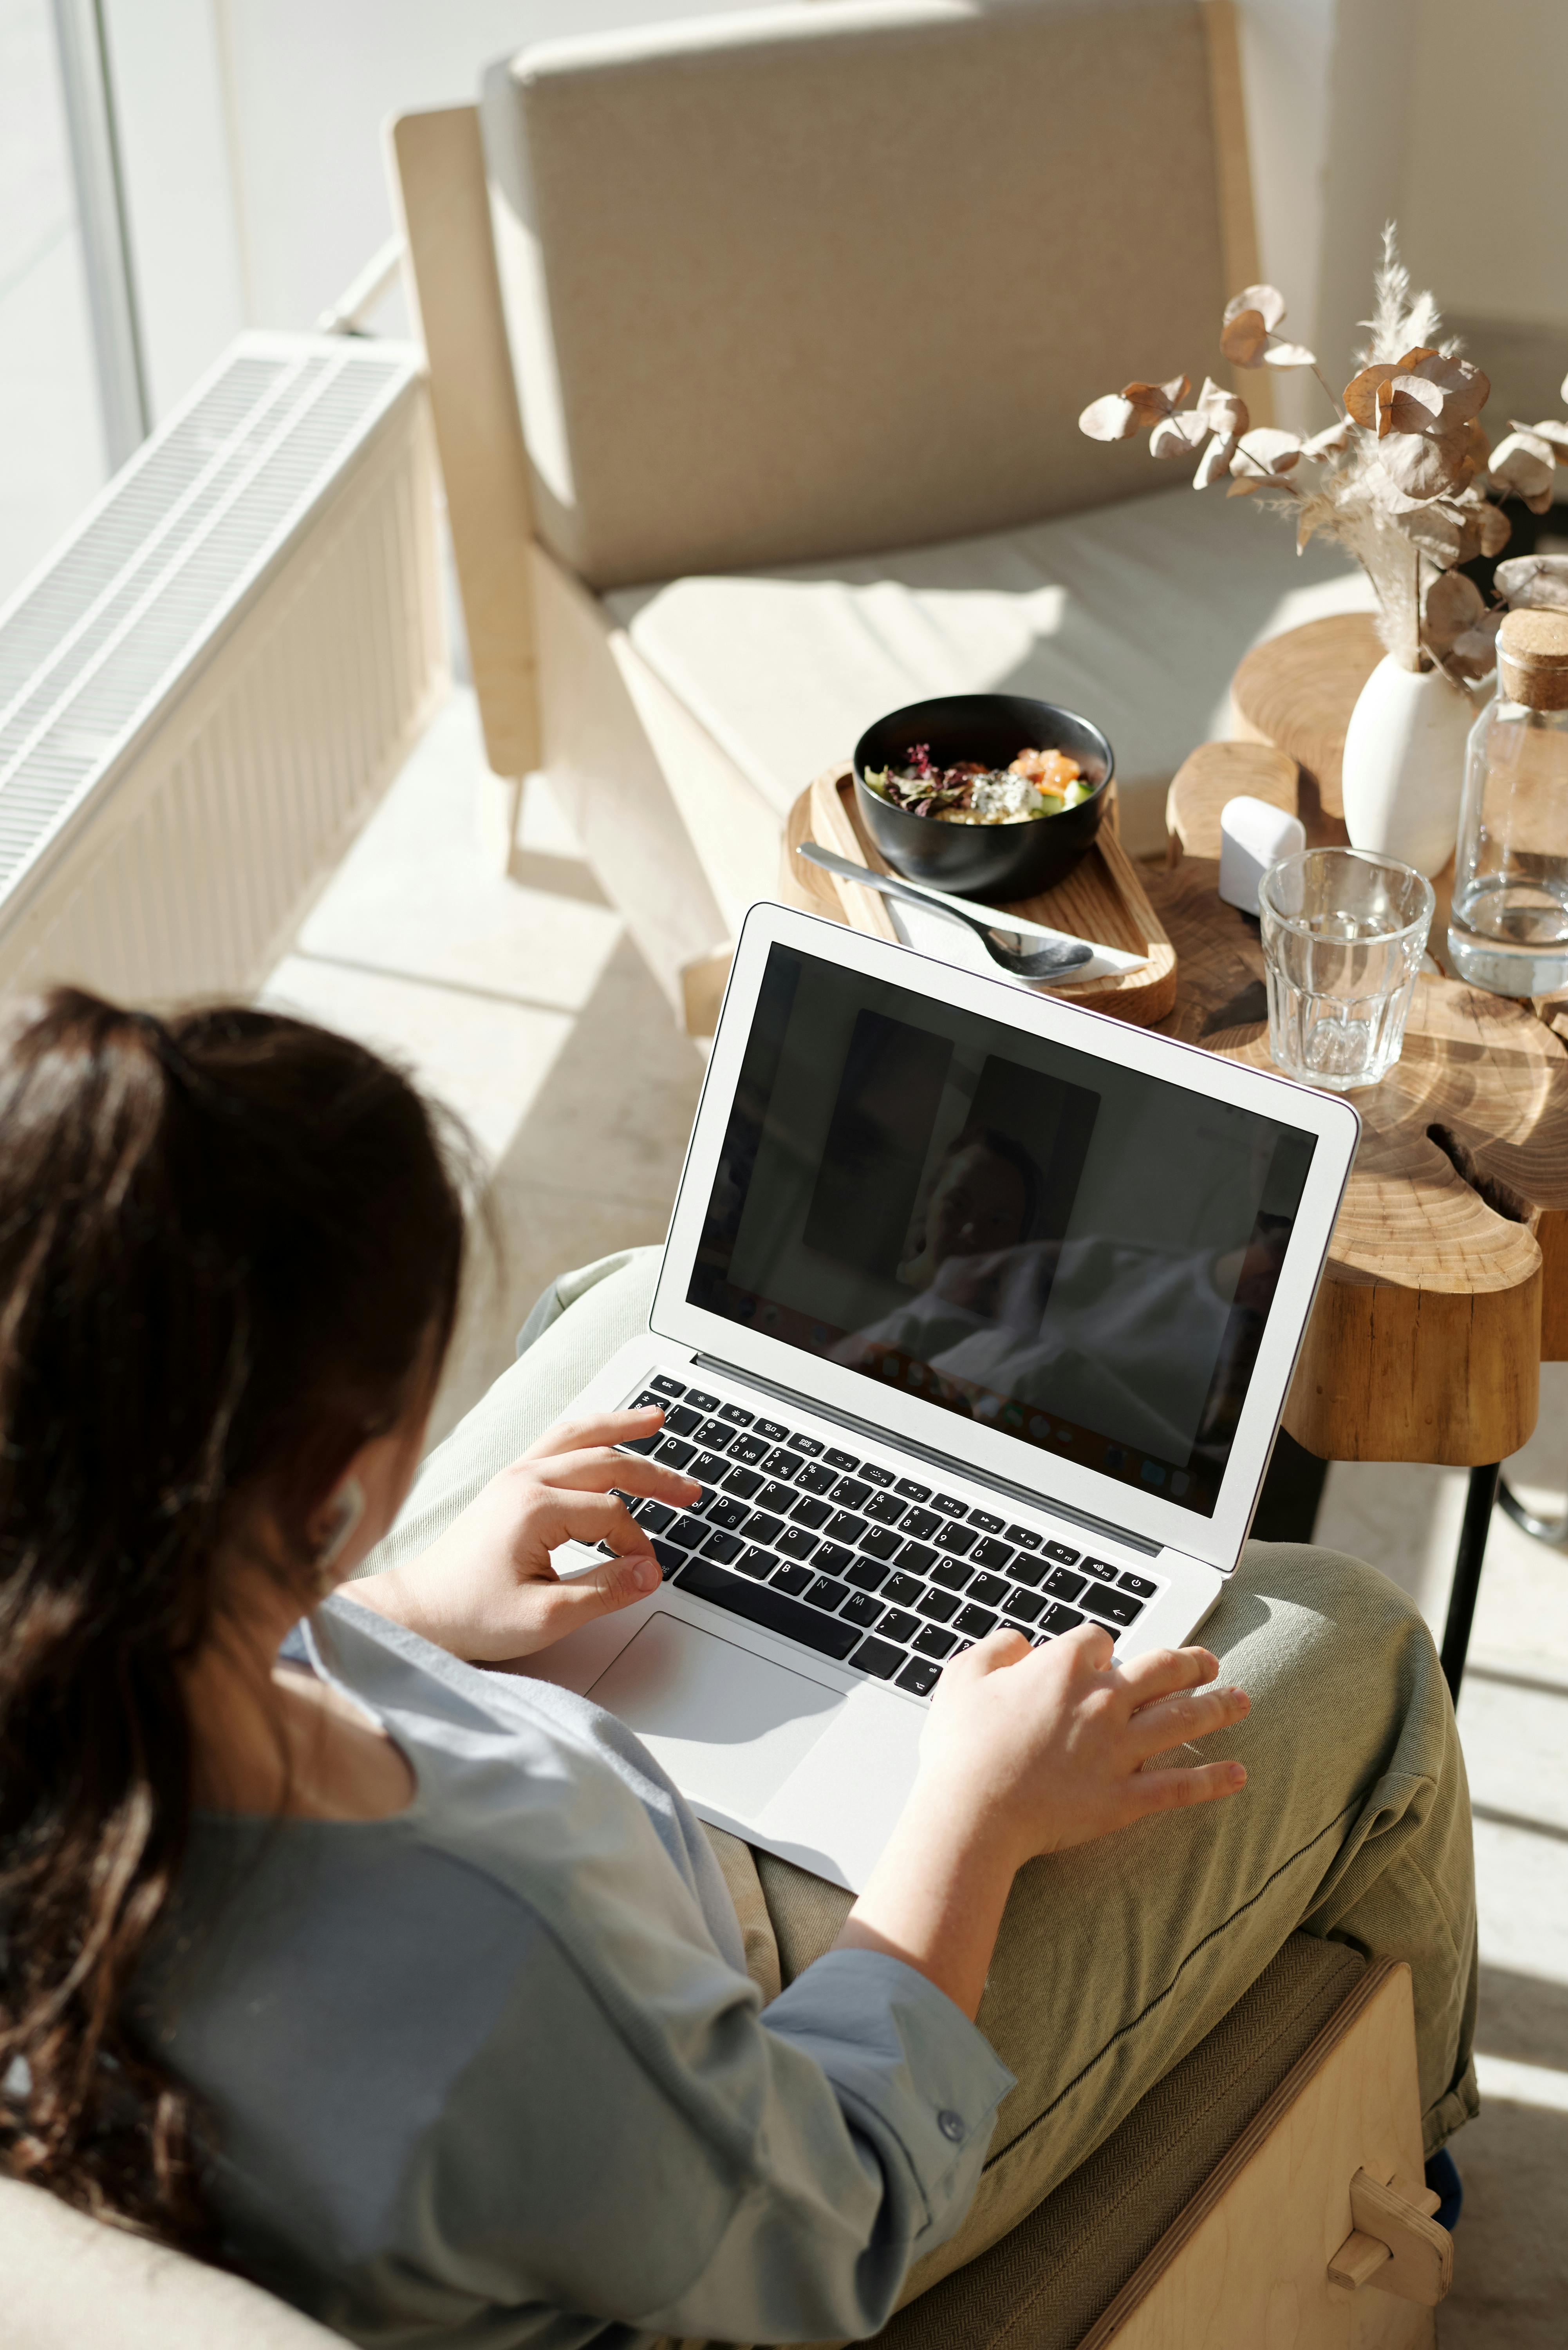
{"x": 1532, "y": 659}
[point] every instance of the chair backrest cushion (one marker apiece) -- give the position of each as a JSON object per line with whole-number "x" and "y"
{"x": 828, "y": 278}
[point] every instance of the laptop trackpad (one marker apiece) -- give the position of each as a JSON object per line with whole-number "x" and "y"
{"x": 727, "y": 1725}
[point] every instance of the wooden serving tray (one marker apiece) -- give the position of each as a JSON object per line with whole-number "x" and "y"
{"x": 1101, "y": 899}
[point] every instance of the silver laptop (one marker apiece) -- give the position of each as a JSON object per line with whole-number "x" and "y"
{"x": 977, "y": 1308}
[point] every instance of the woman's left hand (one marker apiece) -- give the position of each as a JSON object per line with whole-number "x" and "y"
{"x": 487, "y": 1591}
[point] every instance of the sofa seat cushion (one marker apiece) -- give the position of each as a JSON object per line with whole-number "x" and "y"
{"x": 1134, "y": 615}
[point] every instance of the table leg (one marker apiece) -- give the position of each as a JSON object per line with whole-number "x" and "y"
{"x": 1468, "y": 1562}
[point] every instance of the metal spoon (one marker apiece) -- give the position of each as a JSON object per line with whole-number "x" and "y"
{"x": 1050, "y": 962}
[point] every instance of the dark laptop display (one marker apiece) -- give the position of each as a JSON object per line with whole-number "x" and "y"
{"x": 1082, "y": 1257}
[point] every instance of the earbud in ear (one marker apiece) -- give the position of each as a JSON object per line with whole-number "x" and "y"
{"x": 347, "y": 1509}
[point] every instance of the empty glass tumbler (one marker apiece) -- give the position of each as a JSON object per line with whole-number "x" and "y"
{"x": 1508, "y": 930}
{"x": 1344, "y": 935}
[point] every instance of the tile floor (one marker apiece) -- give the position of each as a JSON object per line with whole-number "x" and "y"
{"x": 521, "y": 1003}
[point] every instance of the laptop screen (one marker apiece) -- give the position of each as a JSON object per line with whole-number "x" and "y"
{"x": 1080, "y": 1255}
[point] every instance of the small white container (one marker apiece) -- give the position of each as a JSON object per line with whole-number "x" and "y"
{"x": 1254, "y": 835}
{"x": 1404, "y": 766}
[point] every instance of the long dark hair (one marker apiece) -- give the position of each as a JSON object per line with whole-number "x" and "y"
{"x": 230, "y": 1252}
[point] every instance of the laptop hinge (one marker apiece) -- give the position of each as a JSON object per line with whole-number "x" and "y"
{"x": 930, "y": 1455}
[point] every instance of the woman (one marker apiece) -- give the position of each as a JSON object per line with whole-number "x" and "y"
{"x": 414, "y": 1989}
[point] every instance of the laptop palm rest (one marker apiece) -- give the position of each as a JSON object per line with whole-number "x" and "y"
{"x": 727, "y": 1725}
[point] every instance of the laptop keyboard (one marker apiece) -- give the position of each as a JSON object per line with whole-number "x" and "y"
{"x": 883, "y": 1573}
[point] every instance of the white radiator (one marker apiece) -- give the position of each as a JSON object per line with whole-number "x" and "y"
{"x": 202, "y": 693}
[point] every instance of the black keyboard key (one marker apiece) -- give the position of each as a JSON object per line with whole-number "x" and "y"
{"x": 725, "y": 1510}
{"x": 673, "y": 1451}
{"x": 744, "y": 1482}
{"x": 1138, "y": 1584}
{"x": 918, "y": 1677}
{"x": 934, "y": 1642}
{"x": 1026, "y": 1569}
{"x": 876, "y": 1657}
{"x": 1010, "y": 1624}
{"x": 774, "y": 1429}
{"x": 867, "y": 1574}
{"x": 767, "y": 1605}
{"x": 645, "y": 1398}
{"x": 810, "y": 1511}
{"x": 880, "y": 1542}
{"x": 1024, "y": 1537}
{"x": 666, "y": 1387}
{"x": 714, "y": 1434}
{"x": 851, "y": 1494}
{"x": 842, "y": 1527}
{"x": 653, "y": 1516}
{"x": 758, "y": 1563}
{"x": 817, "y": 1476}
{"x": 921, "y": 1524}
{"x": 901, "y": 1591}
{"x": 956, "y": 1539}
{"x": 1061, "y": 1554}
{"x": 732, "y": 1411}
{"x": 688, "y": 1532}
{"x": 1099, "y": 1567}
{"x": 749, "y": 1449}
{"x": 762, "y": 1526}
{"x": 807, "y": 1444}
{"x": 1063, "y": 1585}
{"x": 701, "y": 1402}
{"x": 723, "y": 1547}
{"x": 992, "y": 1554}
{"x": 681, "y": 1420}
{"x": 827, "y": 1594}
{"x": 796, "y": 1580}
{"x": 952, "y": 1573}
{"x": 669, "y": 1557}
{"x": 940, "y": 1607}
{"x": 834, "y": 1559}
{"x": 780, "y": 1463}
{"x": 1112, "y": 1606}
{"x": 638, "y": 1443}
{"x": 795, "y": 1542}
{"x": 947, "y": 1505}
{"x": 886, "y": 1508}
{"x": 986, "y": 1520}
{"x": 898, "y": 1626}
{"x": 862, "y": 1609}
{"x": 1027, "y": 1606}
{"x": 845, "y": 1462}
{"x": 988, "y": 1590}
{"x": 976, "y": 1622}
{"x": 708, "y": 1467}
{"x": 774, "y": 1496}
{"x": 911, "y": 1491}
{"x": 875, "y": 1476}
{"x": 1059, "y": 1620}
{"x": 916, "y": 1559}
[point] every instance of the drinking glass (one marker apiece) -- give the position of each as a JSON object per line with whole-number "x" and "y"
{"x": 1344, "y": 935}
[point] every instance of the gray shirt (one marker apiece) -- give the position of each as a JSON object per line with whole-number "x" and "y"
{"x": 491, "y": 2072}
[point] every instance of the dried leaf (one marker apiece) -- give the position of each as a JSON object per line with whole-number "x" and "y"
{"x": 1493, "y": 529}
{"x": 1268, "y": 303}
{"x": 1523, "y": 463}
{"x": 1272, "y": 451}
{"x": 1114, "y": 417}
{"x": 1436, "y": 526}
{"x": 1245, "y": 338}
{"x": 1425, "y": 464}
{"x": 1361, "y": 392}
{"x": 1408, "y": 403}
{"x": 1329, "y": 441}
{"x": 1534, "y": 582}
{"x": 1451, "y": 603}
{"x": 1152, "y": 401}
{"x": 1226, "y": 411}
{"x": 1243, "y": 487}
{"x": 1282, "y": 355}
{"x": 1553, "y": 433}
{"x": 1215, "y": 461}
{"x": 1463, "y": 389}
{"x": 1179, "y": 436}
{"x": 1474, "y": 654}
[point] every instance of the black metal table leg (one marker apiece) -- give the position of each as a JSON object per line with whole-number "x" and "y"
{"x": 1468, "y": 1562}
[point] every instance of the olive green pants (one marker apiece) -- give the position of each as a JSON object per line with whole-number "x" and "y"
{"x": 1116, "y": 1957}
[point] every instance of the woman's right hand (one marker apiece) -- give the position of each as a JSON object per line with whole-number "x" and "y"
{"x": 1027, "y": 1750}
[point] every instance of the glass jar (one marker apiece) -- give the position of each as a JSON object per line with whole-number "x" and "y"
{"x": 1509, "y": 927}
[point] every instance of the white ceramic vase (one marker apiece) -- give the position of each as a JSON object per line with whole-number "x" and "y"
{"x": 1404, "y": 766}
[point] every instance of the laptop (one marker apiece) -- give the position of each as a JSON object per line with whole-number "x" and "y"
{"x": 977, "y": 1308}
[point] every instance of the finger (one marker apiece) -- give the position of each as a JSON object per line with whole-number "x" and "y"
{"x": 1000, "y": 1647}
{"x": 1087, "y": 1645}
{"x": 589, "y": 1518}
{"x": 601, "y": 1427}
{"x": 1176, "y": 1720}
{"x": 1176, "y": 1791}
{"x": 1163, "y": 1672}
{"x": 615, "y": 1583}
{"x": 598, "y": 1470}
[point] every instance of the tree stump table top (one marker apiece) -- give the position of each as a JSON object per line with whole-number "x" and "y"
{"x": 1297, "y": 691}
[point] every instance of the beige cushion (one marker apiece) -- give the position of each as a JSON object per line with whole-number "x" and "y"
{"x": 67, "y": 2282}
{"x": 814, "y": 280}
{"x": 1135, "y": 615}
{"x": 1046, "y": 2283}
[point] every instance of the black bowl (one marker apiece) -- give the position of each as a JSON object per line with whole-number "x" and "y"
{"x": 994, "y": 861}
